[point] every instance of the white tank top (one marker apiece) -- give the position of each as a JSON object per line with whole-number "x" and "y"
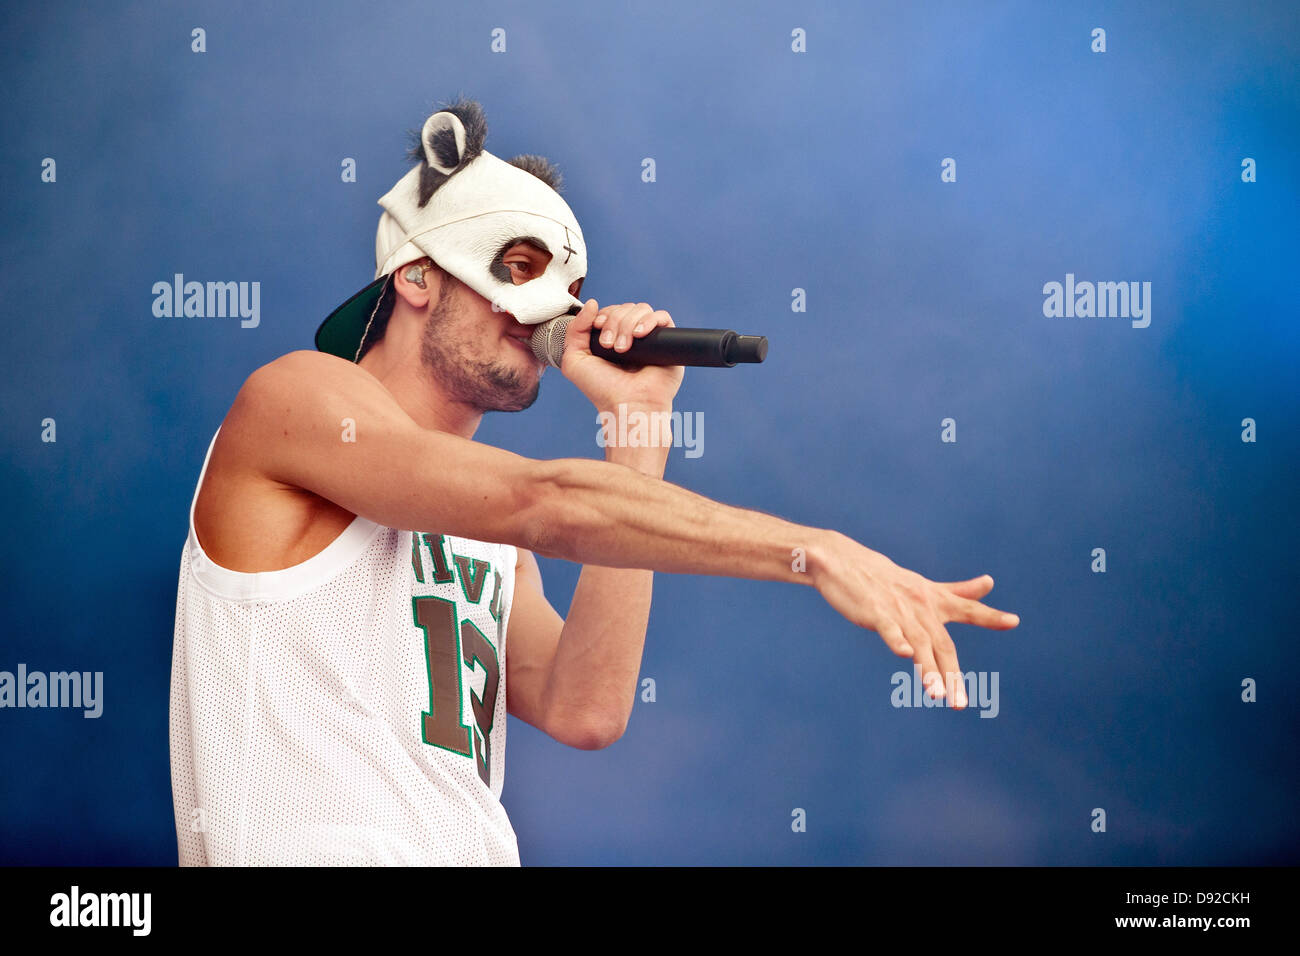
{"x": 350, "y": 709}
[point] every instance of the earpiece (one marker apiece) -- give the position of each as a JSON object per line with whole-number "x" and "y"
{"x": 416, "y": 274}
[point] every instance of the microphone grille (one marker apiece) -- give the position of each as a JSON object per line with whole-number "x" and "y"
{"x": 548, "y": 341}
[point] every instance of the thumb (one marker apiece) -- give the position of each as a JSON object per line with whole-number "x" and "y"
{"x": 578, "y": 335}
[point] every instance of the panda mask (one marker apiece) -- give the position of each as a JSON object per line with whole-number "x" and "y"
{"x": 464, "y": 208}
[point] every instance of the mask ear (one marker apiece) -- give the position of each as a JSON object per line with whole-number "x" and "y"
{"x": 541, "y": 167}
{"x": 450, "y": 140}
{"x": 443, "y": 138}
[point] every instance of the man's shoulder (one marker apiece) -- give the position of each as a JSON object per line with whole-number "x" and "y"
{"x": 295, "y": 380}
{"x": 300, "y": 369}
{"x": 242, "y": 514}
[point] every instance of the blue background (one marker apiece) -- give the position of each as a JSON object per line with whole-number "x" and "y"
{"x": 775, "y": 171}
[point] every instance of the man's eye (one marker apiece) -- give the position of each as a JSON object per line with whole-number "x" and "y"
{"x": 525, "y": 265}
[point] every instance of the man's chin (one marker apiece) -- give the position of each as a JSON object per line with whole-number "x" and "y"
{"x": 517, "y": 404}
{"x": 500, "y": 386}
{"x": 514, "y": 394}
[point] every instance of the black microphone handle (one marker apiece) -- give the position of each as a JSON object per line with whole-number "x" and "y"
{"x": 720, "y": 348}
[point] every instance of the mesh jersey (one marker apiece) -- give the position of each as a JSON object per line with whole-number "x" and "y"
{"x": 350, "y": 709}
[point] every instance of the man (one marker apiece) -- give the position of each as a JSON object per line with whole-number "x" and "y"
{"x": 356, "y": 562}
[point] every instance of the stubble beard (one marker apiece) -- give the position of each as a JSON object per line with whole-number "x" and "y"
{"x": 487, "y": 386}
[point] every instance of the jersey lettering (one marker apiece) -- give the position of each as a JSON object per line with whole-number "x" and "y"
{"x": 453, "y": 645}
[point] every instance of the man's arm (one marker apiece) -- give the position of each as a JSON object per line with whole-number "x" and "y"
{"x": 291, "y": 417}
{"x": 289, "y": 423}
{"x": 575, "y": 678}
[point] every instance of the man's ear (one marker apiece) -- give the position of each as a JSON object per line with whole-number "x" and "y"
{"x": 407, "y": 288}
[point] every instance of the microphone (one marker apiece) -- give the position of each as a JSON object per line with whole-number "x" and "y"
{"x": 699, "y": 348}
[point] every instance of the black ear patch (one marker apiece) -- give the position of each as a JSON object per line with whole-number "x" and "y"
{"x": 541, "y": 167}
{"x": 450, "y": 139}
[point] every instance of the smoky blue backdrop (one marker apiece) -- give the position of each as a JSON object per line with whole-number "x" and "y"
{"x": 775, "y": 170}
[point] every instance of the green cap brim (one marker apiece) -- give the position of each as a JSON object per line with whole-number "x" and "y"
{"x": 340, "y": 333}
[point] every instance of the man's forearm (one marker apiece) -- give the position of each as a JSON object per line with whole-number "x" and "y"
{"x": 594, "y": 675}
{"x": 595, "y": 512}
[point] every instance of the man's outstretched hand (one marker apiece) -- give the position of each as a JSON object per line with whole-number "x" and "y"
{"x": 907, "y": 610}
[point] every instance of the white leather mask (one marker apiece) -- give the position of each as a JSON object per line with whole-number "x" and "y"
{"x": 470, "y": 221}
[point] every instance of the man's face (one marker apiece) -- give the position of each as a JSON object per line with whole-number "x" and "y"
{"x": 484, "y": 357}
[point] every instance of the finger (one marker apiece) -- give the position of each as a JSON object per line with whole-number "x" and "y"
{"x": 623, "y": 338}
{"x": 654, "y": 321}
{"x": 608, "y": 322}
{"x": 919, "y": 637}
{"x": 974, "y": 588}
{"x": 945, "y": 652}
{"x": 892, "y": 635}
{"x": 966, "y": 611}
